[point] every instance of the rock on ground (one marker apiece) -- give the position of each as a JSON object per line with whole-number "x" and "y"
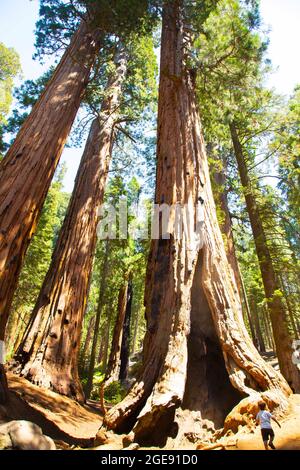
{"x": 24, "y": 435}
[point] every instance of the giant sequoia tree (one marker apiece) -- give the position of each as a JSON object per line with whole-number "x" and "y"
{"x": 198, "y": 358}
{"x": 48, "y": 354}
{"x": 27, "y": 169}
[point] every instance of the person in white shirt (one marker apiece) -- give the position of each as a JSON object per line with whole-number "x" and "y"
{"x": 263, "y": 418}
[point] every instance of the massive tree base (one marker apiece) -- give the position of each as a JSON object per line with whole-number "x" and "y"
{"x": 54, "y": 379}
{"x": 210, "y": 401}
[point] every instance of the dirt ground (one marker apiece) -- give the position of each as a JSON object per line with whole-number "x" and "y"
{"x": 74, "y": 426}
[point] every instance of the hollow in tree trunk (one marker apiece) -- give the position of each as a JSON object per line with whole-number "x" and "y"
{"x": 48, "y": 354}
{"x": 282, "y": 337}
{"x": 198, "y": 358}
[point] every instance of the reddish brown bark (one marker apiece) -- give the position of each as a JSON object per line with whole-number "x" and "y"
{"x": 48, "y": 354}
{"x": 27, "y": 169}
{"x": 198, "y": 357}
{"x": 271, "y": 284}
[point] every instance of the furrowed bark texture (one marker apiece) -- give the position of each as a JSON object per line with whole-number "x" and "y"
{"x": 282, "y": 337}
{"x": 27, "y": 169}
{"x": 198, "y": 358}
{"x": 48, "y": 354}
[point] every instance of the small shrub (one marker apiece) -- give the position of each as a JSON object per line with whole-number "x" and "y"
{"x": 115, "y": 393}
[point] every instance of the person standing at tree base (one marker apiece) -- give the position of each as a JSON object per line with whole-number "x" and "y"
{"x": 263, "y": 418}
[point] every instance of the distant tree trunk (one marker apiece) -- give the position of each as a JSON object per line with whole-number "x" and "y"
{"x": 106, "y": 343}
{"x": 271, "y": 285}
{"x": 114, "y": 363}
{"x": 88, "y": 338}
{"x": 27, "y": 169}
{"x": 135, "y": 331}
{"x": 260, "y": 339}
{"x": 100, "y": 304}
{"x": 125, "y": 347}
{"x": 101, "y": 347}
{"x": 198, "y": 358}
{"x": 48, "y": 354}
{"x": 267, "y": 329}
{"x": 289, "y": 307}
{"x": 248, "y": 312}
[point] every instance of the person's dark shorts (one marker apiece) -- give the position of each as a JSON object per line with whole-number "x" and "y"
{"x": 266, "y": 433}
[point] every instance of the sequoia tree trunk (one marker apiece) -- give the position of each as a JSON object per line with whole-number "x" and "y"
{"x": 27, "y": 169}
{"x": 271, "y": 284}
{"x": 87, "y": 341}
{"x": 48, "y": 354}
{"x": 198, "y": 358}
{"x": 261, "y": 344}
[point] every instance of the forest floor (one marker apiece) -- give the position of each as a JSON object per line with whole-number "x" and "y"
{"x": 74, "y": 426}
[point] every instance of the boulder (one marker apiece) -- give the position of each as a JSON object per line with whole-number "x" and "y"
{"x": 24, "y": 435}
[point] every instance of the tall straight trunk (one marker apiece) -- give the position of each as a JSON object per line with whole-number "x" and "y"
{"x": 27, "y": 169}
{"x": 267, "y": 329}
{"x": 114, "y": 363}
{"x": 106, "y": 343}
{"x": 269, "y": 322}
{"x": 100, "y": 304}
{"x": 88, "y": 338}
{"x": 247, "y": 308}
{"x": 289, "y": 307}
{"x": 271, "y": 284}
{"x": 101, "y": 346}
{"x": 260, "y": 339}
{"x": 48, "y": 354}
{"x": 135, "y": 331}
{"x": 125, "y": 347}
{"x": 198, "y": 358}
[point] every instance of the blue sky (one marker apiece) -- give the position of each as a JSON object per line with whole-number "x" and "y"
{"x": 17, "y": 23}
